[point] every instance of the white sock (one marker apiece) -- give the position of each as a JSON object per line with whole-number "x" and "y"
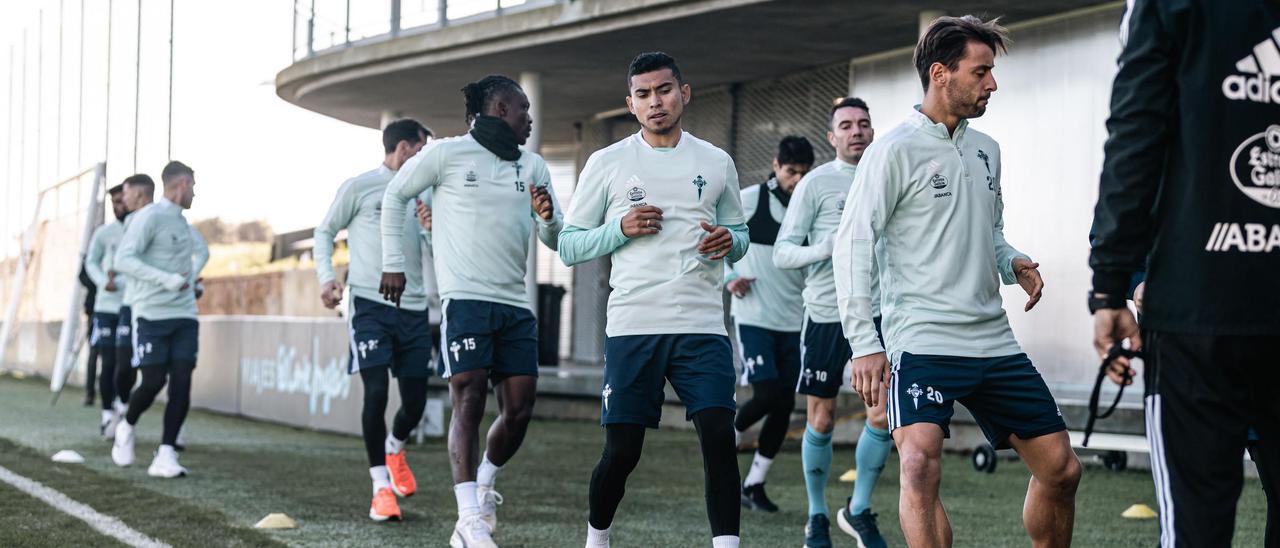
{"x": 759, "y": 468}
{"x": 107, "y": 414}
{"x": 488, "y": 471}
{"x": 119, "y": 406}
{"x": 597, "y": 537}
{"x": 465, "y": 492}
{"x": 393, "y": 445}
{"x": 381, "y": 478}
{"x": 725, "y": 541}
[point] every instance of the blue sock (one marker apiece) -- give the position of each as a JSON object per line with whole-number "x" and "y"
{"x": 815, "y": 453}
{"x": 873, "y": 449}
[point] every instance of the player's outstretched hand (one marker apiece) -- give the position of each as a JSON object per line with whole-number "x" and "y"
{"x": 641, "y": 221}
{"x": 331, "y": 293}
{"x": 392, "y": 287}
{"x": 424, "y": 215}
{"x": 868, "y": 377}
{"x": 540, "y": 199}
{"x": 739, "y": 286}
{"x": 717, "y": 243}
{"x": 1028, "y": 275}
{"x": 1111, "y": 325}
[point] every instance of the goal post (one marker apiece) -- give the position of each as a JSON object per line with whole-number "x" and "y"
{"x": 42, "y": 328}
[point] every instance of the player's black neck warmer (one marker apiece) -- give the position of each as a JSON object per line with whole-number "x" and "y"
{"x": 496, "y": 137}
{"x": 776, "y": 190}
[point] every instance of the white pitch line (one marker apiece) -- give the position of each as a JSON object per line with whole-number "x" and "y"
{"x": 103, "y": 523}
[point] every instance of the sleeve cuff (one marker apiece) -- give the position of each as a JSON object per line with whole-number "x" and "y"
{"x": 615, "y": 230}
{"x": 175, "y": 282}
{"x": 864, "y": 348}
{"x": 1007, "y": 275}
{"x": 1111, "y": 282}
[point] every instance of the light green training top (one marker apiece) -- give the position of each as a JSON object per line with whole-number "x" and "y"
{"x": 661, "y": 284}
{"x": 126, "y": 296}
{"x": 814, "y": 215}
{"x": 99, "y": 261}
{"x": 198, "y": 259}
{"x": 358, "y": 208}
{"x": 934, "y": 202}
{"x": 161, "y": 253}
{"x": 482, "y": 218}
{"x": 773, "y": 300}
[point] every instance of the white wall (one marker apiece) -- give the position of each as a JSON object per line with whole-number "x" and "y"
{"x": 1049, "y": 116}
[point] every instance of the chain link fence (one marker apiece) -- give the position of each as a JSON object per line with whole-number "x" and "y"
{"x": 796, "y": 104}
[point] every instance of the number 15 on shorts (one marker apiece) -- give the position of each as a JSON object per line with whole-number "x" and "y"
{"x": 458, "y": 345}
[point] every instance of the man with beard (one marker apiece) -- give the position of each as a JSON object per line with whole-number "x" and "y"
{"x": 98, "y": 264}
{"x": 929, "y": 192}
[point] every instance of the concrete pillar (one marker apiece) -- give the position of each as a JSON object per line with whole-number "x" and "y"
{"x": 926, "y": 17}
{"x": 532, "y": 84}
{"x": 395, "y": 16}
{"x": 389, "y": 116}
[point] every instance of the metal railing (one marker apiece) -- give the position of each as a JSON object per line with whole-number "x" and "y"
{"x": 321, "y": 25}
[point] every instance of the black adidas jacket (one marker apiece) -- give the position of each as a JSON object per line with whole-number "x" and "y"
{"x": 1191, "y": 181}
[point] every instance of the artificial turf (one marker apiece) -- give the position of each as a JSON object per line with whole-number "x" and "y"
{"x": 242, "y": 470}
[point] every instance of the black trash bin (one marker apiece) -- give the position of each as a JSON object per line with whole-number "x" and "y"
{"x": 549, "y": 298}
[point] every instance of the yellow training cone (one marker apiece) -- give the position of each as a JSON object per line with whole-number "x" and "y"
{"x": 1139, "y": 511}
{"x": 850, "y": 476}
{"x": 276, "y": 521}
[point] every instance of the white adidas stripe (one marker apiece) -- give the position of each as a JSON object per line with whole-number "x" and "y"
{"x": 353, "y": 366}
{"x": 444, "y": 339}
{"x": 1160, "y": 470}
{"x": 742, "y": 354}
{"x": 804, "y": 326}
{"x": 891, "y": 408}
{"x": 1124, "y": 23}
{"x": 100, "y": 522}
{"x": 1268, "y": 57}
{"x": 1265, "y": 58}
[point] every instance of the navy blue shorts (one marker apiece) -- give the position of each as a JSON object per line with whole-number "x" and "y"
{"x": 823, "y": 356}
{"x": 163, "y": 342}
{"x": 124, "y": 328}
{"x": 636, "y": 368}
{"x": 1005, "y": 395}
{"x": 102, "y": 330}
{"x": 382, "y": 335}
{"x": 768, "y": 355}
{"x": 482, "y": 335}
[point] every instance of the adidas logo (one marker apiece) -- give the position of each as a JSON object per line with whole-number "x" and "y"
{"x": 1258, "y": 82}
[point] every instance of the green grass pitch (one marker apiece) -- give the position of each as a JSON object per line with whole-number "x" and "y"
{"x": 241, "y": 470}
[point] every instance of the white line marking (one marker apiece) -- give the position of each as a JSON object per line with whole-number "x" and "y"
{"x": 102, "y": 523}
